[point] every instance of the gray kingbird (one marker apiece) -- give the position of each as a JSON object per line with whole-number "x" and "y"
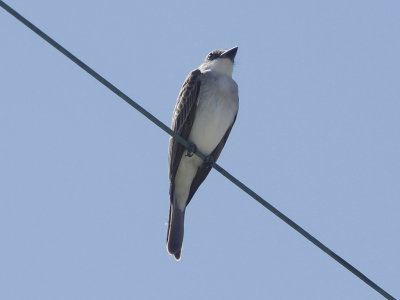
{"x": 204, "y": 114}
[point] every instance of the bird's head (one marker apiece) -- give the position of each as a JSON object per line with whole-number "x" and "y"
{"x": 220, "y": 61}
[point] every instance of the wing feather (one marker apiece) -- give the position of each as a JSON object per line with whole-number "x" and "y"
{"x": 183, "y": 120}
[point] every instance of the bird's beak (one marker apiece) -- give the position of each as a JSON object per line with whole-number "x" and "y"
{"x": 231, "y": 53}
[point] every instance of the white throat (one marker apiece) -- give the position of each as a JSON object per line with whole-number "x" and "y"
{"x": 224, "y": 66}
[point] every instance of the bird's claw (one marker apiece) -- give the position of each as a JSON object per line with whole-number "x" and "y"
{"x": 191, "y": 150}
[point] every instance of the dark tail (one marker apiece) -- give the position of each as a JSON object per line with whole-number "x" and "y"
{"x": 175, "y": 231}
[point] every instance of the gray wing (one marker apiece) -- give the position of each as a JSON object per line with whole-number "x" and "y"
{"x": 205, "y": 169}
{"x": 183, "y": 120}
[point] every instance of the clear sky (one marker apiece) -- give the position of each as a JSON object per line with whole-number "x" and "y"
{"x": 84, "y": 187}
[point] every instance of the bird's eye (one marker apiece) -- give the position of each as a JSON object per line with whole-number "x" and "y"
{"x": 210, "y": 56}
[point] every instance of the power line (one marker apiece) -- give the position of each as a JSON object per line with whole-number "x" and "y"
{"x": 185, "y": 143}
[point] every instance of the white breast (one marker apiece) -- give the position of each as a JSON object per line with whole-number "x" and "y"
{"x": 216, "y": 109}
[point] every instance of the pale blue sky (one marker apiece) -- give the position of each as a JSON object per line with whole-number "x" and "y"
{"x": 84, "y": 186}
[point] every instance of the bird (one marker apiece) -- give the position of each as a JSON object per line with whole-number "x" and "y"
{"x": 204, "y": 114}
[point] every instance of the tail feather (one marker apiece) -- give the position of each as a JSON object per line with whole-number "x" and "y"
{"x": 175, "y": 231}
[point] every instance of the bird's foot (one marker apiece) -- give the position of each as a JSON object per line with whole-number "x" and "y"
{"x": 191, "y": 150}
{"x": 209, "y": 161}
